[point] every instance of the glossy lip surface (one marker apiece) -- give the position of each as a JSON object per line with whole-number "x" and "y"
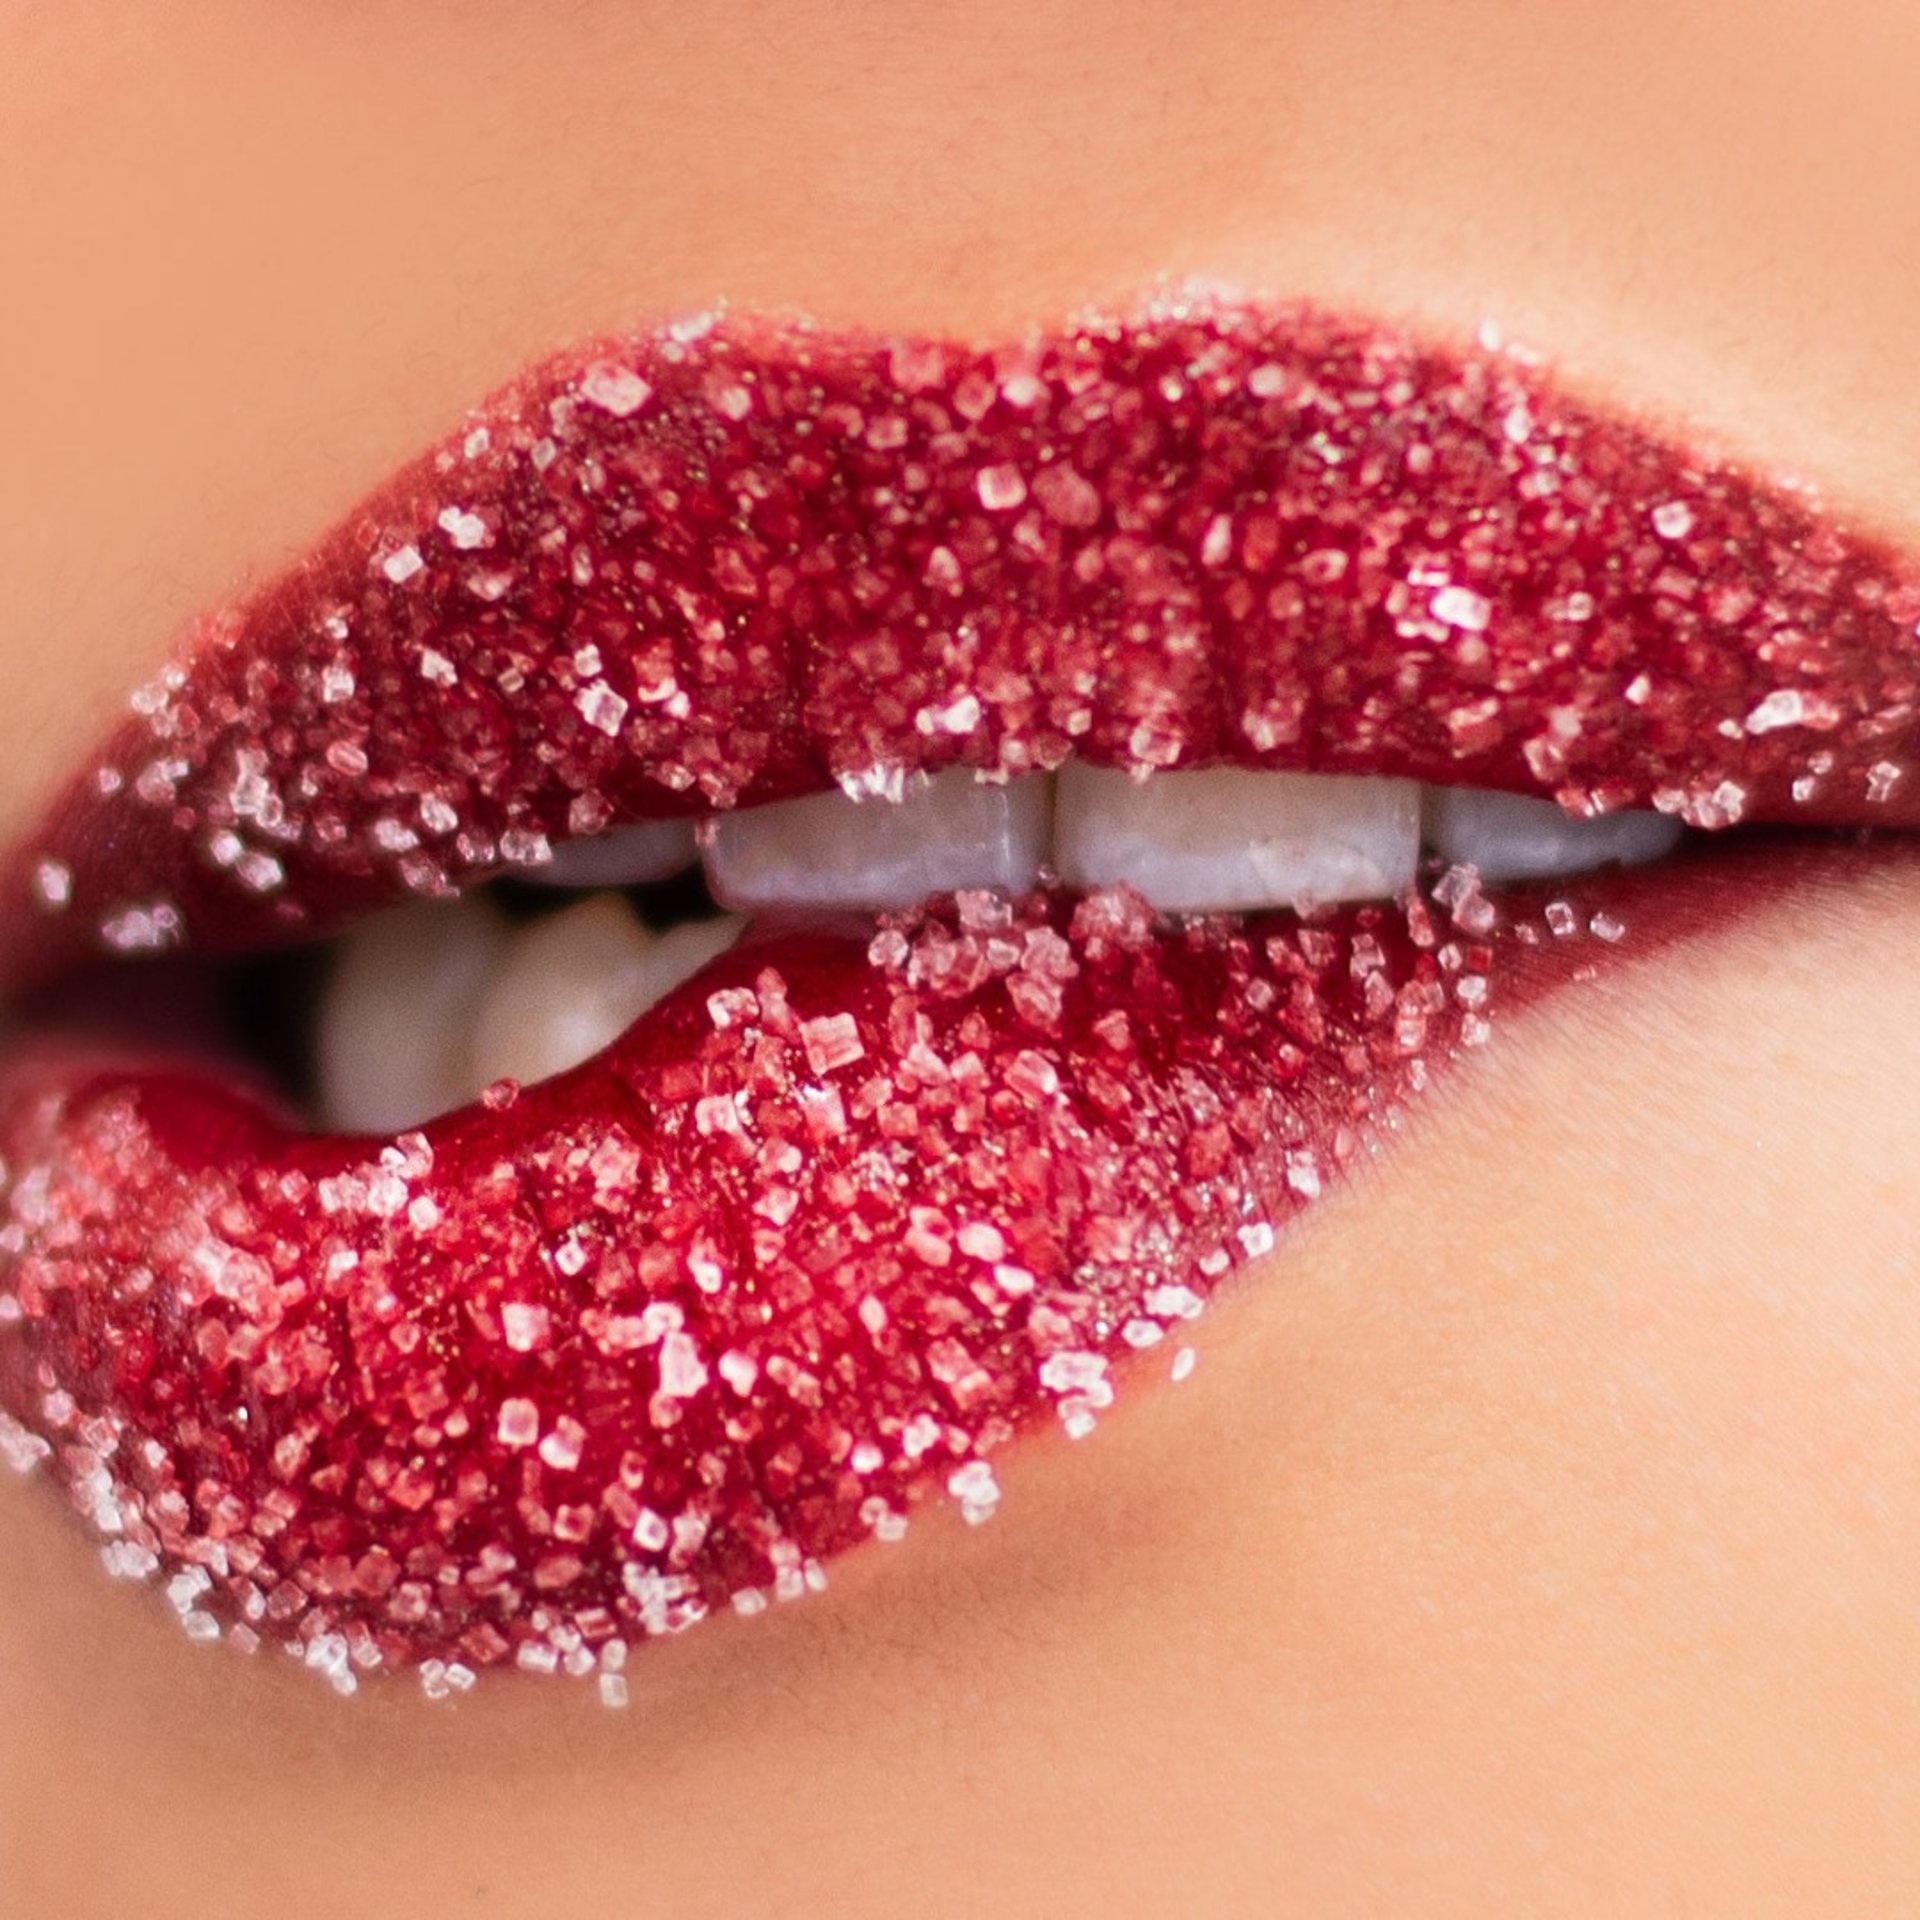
{"x": 578, "y": 1364}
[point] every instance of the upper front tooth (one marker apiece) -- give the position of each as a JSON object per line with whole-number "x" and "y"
{"x": 1228, "y": 839}
{"x": 569, "y": 984}
{"x": 396, "y": 1010}
{"x": 1514, "y": 836}
{"x": 627, "y": 857}
{"x": 829, "y": 851}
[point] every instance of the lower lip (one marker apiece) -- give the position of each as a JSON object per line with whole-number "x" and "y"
{"x": 583, "y": 1363}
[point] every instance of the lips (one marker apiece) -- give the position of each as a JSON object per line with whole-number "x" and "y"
{"x": 589, "y": 1359}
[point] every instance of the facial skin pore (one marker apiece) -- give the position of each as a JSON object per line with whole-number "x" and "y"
{"x": 1538, "y": 1530}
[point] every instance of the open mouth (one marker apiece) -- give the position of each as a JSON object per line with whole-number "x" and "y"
{"x": 1041, "y": 812}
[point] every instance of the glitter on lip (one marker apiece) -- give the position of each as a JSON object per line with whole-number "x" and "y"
{"x": 576, "y": 1366}
{"x": 739, "y": 559}
{"x": 587, "y": 1361}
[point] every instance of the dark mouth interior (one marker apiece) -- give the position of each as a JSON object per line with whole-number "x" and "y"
{"x": 272, "y": 999}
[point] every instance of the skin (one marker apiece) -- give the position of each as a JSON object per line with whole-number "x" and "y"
{"x": 1539, "y": 1530}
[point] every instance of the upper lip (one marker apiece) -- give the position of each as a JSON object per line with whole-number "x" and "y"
{"x": 548, "y": 1373}
{"x": 732, "y": 560}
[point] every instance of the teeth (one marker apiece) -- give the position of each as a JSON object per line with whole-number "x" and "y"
{"x": 567, "y": 985}
{"x": 1227, "y": 840}
{"x": 1512, "y": 836}
{"x": 397, "y": 1012}
{"x": 627, "y": 857}
{"x": 429, "y": 1005}
{"x": 829, "y": 851}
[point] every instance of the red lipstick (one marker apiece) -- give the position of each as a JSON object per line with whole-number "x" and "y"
{"x": 583, "y": 1362}
{"x": 734, "y": 560}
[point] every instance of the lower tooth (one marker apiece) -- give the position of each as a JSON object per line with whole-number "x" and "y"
{"x": 829, "y": 851}
{"x": 1514, "y": 836}
{"x": 1228, "y": 840}
{"x": 571, "y": 983}
{"x": 396, "y": 1011}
